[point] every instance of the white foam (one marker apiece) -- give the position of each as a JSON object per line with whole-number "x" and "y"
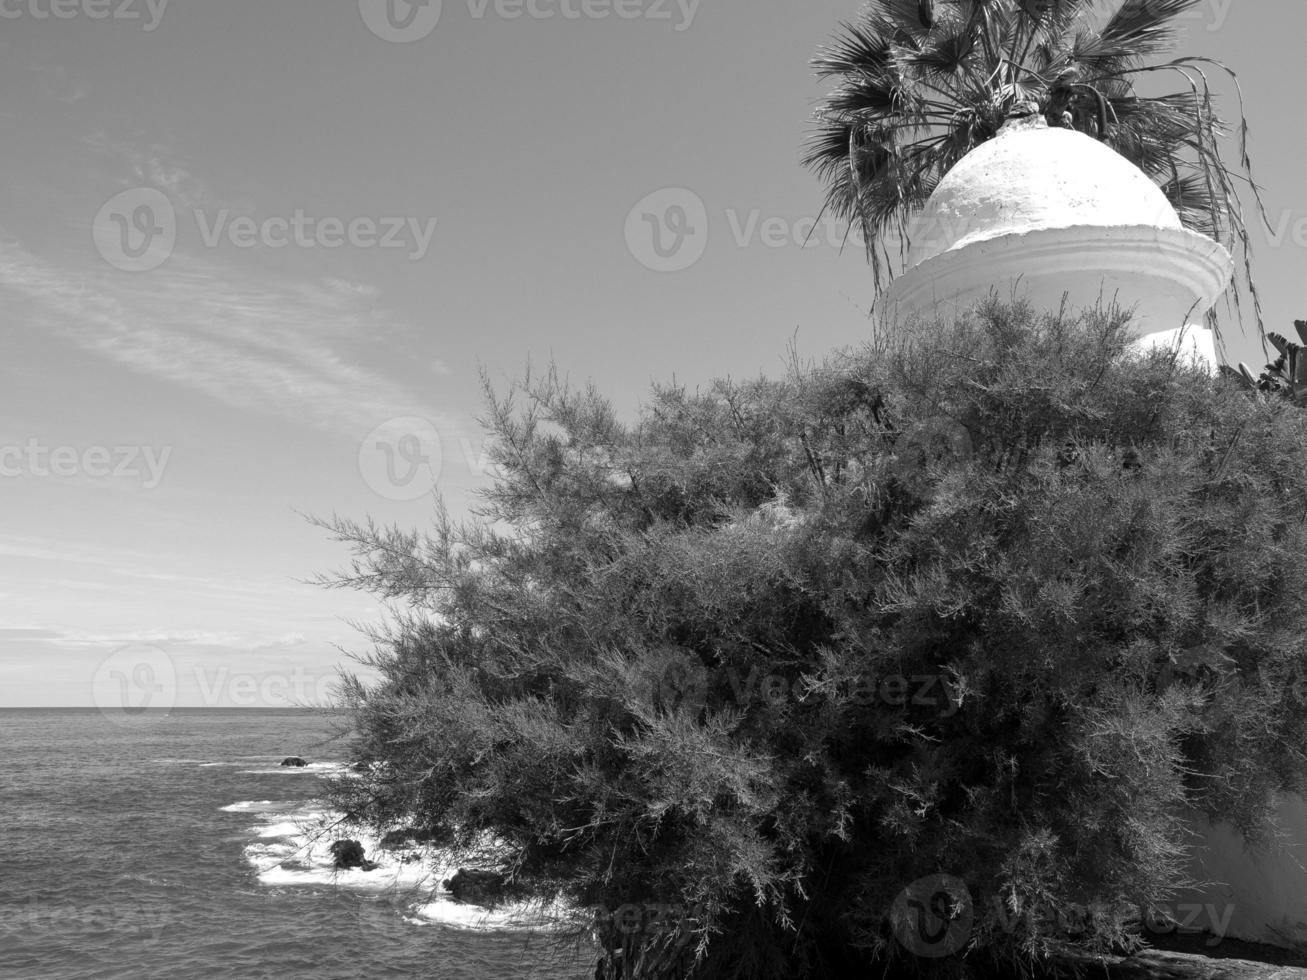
{"x": 292, "y": 847}
{"x": 278, "y": 849}
{"x": 303, "y": 856}
{"x": 258, "y": 806}
{"x": 287, "y": 828}
{"x": 515, "y": 917}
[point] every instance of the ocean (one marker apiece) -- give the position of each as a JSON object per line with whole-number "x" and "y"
{"x": 175, "y": 846}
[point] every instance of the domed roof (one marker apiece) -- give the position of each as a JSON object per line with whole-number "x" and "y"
{"x": 1031, "y": 178}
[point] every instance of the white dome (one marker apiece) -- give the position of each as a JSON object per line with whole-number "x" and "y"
{"x": 1061, "y": 220}
{"x": 1028, "y": 179}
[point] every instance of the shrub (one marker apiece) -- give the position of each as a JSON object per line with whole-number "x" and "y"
{"x": 911, "y": 660}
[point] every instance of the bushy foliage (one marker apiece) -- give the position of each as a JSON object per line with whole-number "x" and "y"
{"x": 994, "y": 599}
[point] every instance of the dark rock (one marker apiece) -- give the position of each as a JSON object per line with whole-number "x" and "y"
{"x": 349, "y": 854}
{"x": 476, "y": 886}
{"x": 294, "y": 760}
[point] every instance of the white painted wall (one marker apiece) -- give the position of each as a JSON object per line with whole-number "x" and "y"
{"x": 1263, "y": 896}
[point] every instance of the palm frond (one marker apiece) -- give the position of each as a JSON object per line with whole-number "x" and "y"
{"x": 1192, "y": 198}
{"x": 946, "y": 58}
{"x": 854, "y": 51}
{"x": 912, "y": 98}
{"x": 1142, "y": 28}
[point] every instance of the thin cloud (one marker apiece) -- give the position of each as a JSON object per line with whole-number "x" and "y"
{"x": 152, "y": 166}
{"x": 137, "y": 567}
{"x": 277, "y": 345}
{"x": 236, "y": 640}
{"x": 229, "y": 639}
{"x": 20, "y": 635}
{"x": 257, "y": 346}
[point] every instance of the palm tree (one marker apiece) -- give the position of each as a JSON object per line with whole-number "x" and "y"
{"x": 923, "y": 82}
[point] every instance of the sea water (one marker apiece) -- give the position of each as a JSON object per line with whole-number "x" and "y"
{"x": 175, "y": 846}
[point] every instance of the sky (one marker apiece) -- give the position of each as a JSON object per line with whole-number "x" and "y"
{"x": 254, "y": 255}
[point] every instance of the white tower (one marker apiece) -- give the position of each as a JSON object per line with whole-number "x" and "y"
{"x": 1051, "y": 213}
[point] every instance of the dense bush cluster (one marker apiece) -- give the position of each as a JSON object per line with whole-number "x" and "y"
{"x": 994, "y": 600}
